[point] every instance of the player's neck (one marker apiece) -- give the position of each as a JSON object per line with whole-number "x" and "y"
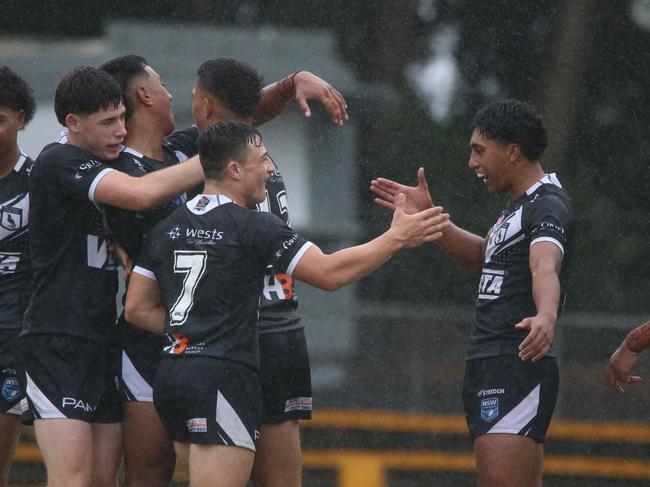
{"x": 146, "y": 138}
{"x": 8, "y": 160}
{"x": 530, "y": 173}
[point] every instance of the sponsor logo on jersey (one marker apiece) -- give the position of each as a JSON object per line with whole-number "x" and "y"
{"x": 9, "y": 262}
{"x": 278, "y": 287}
{"x": 11, "y": 218}
{"x": 71, "y": 402}
{"x": 491, "y": 392}
{"x": 177, "y": 343}
{"x": 489, "y": 409}
{"x": 203, "y": 234}
{"x": 174, "y": 233}
{"x": 88, "y": 165}
{"x": 298, "y": 404}
{"x": 552, "y": 226}
{"x": 489, "y": 287}
{"x": 197, "y": 425}
{"x": 10, "y": 389}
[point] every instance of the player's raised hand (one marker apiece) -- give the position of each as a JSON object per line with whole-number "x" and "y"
{"x": 619, "y": 367}
{"x": 541, "y": 330}
{"x": 308, "y": 86}
{"x": 418, "y": 197}
{"x": 413, "y": 230}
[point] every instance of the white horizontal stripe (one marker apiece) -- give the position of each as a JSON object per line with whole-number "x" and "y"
{"x": 98, "y": 178}
{"x": 548, "y": 239}
{"x": 494, "y": 271}
{"x": 144, "y": 272}
{"x": 298, "y": 257}
{"x": 487, "y": 296}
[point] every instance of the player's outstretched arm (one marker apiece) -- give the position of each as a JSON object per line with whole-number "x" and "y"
{"x": 625, "y": 358}
{"x": 545, "y": 261}
{"x": 142, "y": 307}
{"x": 464, "y": 247}
{"x": 330, "y": 272}
{"x": 141, "y": 193}
{"x": 303, "y": 86}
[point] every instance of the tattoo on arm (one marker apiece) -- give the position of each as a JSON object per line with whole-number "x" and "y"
{"x": 639, "y": 338}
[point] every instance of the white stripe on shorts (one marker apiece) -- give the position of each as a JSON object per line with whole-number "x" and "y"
{"x": 134, "y": 382}
{"x": 233, "y": 426}
{"x": 44, "y": 407}
{"x": 519, "y": 416}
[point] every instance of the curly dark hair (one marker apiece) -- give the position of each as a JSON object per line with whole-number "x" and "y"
{"x": 16, "y": 94}
{"x": 235, "y": 84}
{"x": 513, "y": 121}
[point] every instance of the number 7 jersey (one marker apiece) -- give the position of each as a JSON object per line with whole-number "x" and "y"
{"x": 209, "y": 259}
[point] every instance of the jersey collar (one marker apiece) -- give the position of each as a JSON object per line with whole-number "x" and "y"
{"x": 203, "y": 203}
{"x": 547, "y": 179}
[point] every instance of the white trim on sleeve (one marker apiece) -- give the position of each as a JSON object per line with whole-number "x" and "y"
{"x": 296, "y": 258}
{"x": 98, "y": 178}
{"x": 548, "y": 239}
{"x": 144, "y": 272}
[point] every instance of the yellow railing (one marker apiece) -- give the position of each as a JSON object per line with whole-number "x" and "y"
{"x": 368, "y": 468}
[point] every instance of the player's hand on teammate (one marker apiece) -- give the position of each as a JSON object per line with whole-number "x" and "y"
{"x": 308, "y": 86}
{"x": 619, "y": 367}
{"x": 125, "y": 262}
{"x": 413, "y": 230}
{"x": 541, "y": 330}
{"x": 418, "y": 197}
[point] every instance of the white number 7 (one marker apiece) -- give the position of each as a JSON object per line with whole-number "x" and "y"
{"x": 192, "y": 264}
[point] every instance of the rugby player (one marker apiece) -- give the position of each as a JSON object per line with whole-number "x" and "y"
{"x": 148, "y": 452}
{"x": 511, "y": 376}
{"x": 17, "y": 108}
{"x": 69, "y": 325}
{"x": 199, "y": 278}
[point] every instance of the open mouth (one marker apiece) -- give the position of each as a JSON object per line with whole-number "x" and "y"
{"x": 481, "y": 175}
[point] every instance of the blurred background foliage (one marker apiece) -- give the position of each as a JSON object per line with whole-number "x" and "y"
{"x": 584, "y": 64}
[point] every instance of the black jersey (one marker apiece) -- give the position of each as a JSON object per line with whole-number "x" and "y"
{"x": 505, "y": 297}
{"x": 15, "y": 269}
{"x": 74, "y": 275}
{"x": 209, "y": 258}
{"x": 278, "y": 302}
{"x": 129, "y": 227}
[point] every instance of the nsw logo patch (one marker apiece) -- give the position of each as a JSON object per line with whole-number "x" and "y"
{"x": 10, "y": 389}
{"x": 489, "y": 409}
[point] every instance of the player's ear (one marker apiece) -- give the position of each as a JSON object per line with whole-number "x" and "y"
{"x": 233, "y": 170}
{"x": 143, "y": 96}
{"x": 21, "y": 119}
{"x": 514, "y": 152}
{"x": 73, "y": 122}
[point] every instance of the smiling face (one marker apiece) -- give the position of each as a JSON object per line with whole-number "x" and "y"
{"x": 100, "y": 133}
{"x": 254, "y": 171}
{"x": 491, "y": 160}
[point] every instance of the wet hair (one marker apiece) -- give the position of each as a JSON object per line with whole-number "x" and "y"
{"x": 513, "y": 122}
{"x": 125, "y": 69}
{"x": 237, "y": 85}
{"x": 223, "y": 142}
{"x": 16, "y": 94}
{"x": 85, "y": 90}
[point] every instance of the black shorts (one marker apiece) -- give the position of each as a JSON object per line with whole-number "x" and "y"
{"x": 285, "y": 377}
{"x": 71, "y": 377}
{"x": 140, "y": 357}
{"x": 505, "y": 395}
{"x": 206, "y": 400}
{"x": 12, "y": 375}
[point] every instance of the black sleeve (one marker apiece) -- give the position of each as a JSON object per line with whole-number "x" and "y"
{"x": 147, "y": 263}
{"x": 550, "y": 218}
{"x": 182, "y": 144}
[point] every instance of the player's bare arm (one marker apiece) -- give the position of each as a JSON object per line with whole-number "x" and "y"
{"x": 625, "y": 358}
{"x": 141, "y": 193}
{"x": 330, "y": 272}
{"x": 464, "y": 247}
{"x": 143, "y": 308}
{"x": 303, "y": 86}
{"x": 545, "y": 262}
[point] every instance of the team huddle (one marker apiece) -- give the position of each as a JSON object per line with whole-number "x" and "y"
{"x": 207, "y": 366}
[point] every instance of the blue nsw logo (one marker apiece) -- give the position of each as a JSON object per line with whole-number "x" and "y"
{"x": 10, "y": 389}
{"x": 489, "y": 409}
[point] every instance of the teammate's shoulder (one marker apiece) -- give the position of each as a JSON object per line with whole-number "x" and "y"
{"x": 58, "y": 151}
{"x": 183, "y": 136}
